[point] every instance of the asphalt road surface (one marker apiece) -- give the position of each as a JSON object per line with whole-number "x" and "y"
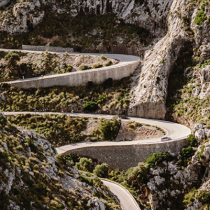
{"x": 126, "y": 199}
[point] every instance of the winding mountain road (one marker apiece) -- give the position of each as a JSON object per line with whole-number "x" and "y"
{"x": 121, "y": 57}
{"x": 173, "y": 130}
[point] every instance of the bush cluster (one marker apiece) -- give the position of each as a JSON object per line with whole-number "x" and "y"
{"x": 110, "y": 94}
{"x": 58, "y": 129}
{"x": 109, "y": 129}
{"x": 157, "y": 159}
{"x": 84, "y": 67}
{"x": 201, "y": 16}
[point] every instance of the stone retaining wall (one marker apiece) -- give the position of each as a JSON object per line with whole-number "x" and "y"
{"x": 80, "y": 78}
{"x": 48, "y": 48}
{"x": 126, "y": 156}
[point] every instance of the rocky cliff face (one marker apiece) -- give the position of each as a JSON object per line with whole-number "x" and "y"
{"x": 171, "y": 181}
{"x": 148, "y": 14}
{"x": 4, "y": 2}
{"x": 150, "y": 92}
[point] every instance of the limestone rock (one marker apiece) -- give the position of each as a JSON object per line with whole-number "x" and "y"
{"x": 147, "y": 14}
{"x": 200, "y": 134}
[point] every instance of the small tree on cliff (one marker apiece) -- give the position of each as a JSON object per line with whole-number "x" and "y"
{"x": 101, "y": 170}
{"x": 12, "y": 58}
{"x": 109, "y": 129}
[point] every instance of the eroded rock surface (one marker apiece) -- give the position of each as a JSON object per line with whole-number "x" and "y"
{"x": 147, "y": 14}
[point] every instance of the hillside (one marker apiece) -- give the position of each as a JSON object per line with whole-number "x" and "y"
{"x": 33, "y": 178}
{"x": 172, "y": 82}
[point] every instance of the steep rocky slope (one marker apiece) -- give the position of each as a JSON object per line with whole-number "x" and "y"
{"x": 148, "y": 14}
{"x": 32, "y": 178}
{"x": 94, "y": 26}
{"x": 175, "y": 38}
{"x": 188, "y": 23}
{"x": 181, "y": 185}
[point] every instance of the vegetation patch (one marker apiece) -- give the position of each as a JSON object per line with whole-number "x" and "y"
{"x": 186, "y": 154}
{"x": 109, "y": 95}
{"x": 203, "y": 197}
{"x": 32, "y": 185}
{"x": 58, "y": 129}
{"x": 200, "y": 17}
{"x": 109, "y": 129}
{"x": 157, "y": 159}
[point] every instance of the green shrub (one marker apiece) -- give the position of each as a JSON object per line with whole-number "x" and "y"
{"x": 2, "y": 119}
{"x": 103, "y": 57}
{"x": 158, "y": 158}
{"x": 12, "y": 58}
{"x": 90, "y": 106}
{"x": 98, "y": 65}
{"x": 203, "y": 197}
{"x": 138, "y": 175}
{"x": 101, "y": 99}
{"x": 192, "y": 141}
{"x": 186, "y": 154}
{"x": 101, "y": 170}
{"x": 68, "y": 69}
{"x": 86, "y": 179}
{"x": 85, "y": 164}
{"x": 84, "y": 67}
{"x": 36, "y": 167}
{"x": 200, "y": 154}
{"x": 200, "y": 18}
{"x": 109, "y": 129}
{"x": 190, "y": 197}
{"x": 109, "y": 63}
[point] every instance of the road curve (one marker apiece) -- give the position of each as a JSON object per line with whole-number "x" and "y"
{"x": 125, "y": 61}
{"x": 121, "y": 57}
{"x": 126, "y": 199}
{"x": 173, "y": 130}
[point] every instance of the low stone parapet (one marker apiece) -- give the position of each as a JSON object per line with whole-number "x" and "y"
{"x": 48, "y": 48}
